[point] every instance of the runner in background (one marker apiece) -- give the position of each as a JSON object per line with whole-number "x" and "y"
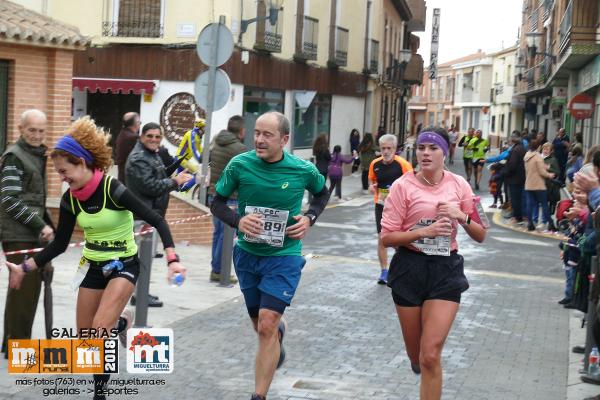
{"x": 479, "y": 146}
{"x": 103, "y": 207}
{"x": 270, "y": 185}
{"x": 467, "y": 153}
{"x": 420, "y": 219}
{"x": 383, "y": 171}
{"x": 453, "y": 135}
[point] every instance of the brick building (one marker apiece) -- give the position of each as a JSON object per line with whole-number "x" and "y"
{"x": 36, "y": 64}
{"x": 36, "y": 71}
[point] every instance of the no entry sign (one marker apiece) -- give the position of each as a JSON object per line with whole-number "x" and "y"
{"x": 581, "y": 106}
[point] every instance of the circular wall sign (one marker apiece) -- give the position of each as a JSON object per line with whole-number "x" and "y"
{"x": 178, "y": 114}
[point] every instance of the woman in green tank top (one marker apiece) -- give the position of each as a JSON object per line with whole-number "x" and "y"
{"x": 103, "y": 208}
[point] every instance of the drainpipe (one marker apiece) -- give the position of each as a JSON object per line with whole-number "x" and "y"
{"x": 366, "y": 66}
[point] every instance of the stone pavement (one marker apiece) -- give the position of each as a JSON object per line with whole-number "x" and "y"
{"x": 195, "y": 295}
{"x": 509, "y": 342}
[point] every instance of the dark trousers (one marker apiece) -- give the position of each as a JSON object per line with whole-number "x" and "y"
{"x": 365, "y": 179}
{"x": 516, "y": 200}
{"x": 336, "y": 183}
{"x": 21, "y": 304}
{"x": 537, "y": 199}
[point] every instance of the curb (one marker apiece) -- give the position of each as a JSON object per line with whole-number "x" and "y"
{"x": 498, "y": 220}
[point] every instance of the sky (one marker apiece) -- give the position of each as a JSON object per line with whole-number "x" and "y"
{"x": 469, "y": 25}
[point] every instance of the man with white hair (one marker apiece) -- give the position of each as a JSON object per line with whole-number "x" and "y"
{"x": 383, "y": 171}
{"x": 24, "y": 221}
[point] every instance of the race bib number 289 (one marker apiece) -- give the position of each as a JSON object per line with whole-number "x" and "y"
{"x": 274, "y": 224}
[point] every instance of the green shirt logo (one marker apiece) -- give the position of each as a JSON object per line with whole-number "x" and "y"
{"x": 285, "y": 185}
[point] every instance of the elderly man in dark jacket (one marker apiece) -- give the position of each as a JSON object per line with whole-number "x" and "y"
{"x": 514, "y": 176}
{"x": 25, "y": 224}
{"x": 146, "y": 176}
{"x": 227, "y": 144}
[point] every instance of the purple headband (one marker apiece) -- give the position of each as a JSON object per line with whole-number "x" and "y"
{"x": 434, "y": 138}
{"x": 72, "y": 146}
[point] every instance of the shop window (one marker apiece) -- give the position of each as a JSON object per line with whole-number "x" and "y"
{"x": 312, "y": 116}
{"x": 257, "y": 102}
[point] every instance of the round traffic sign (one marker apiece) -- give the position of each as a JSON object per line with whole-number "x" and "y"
{"x": 204, "y": 46}
{"x": 222, "y": 89}
{"x": 581, "y": 106}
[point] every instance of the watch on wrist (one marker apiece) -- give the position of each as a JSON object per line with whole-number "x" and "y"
{"x": 172, "y": 259}
{"x": 312, "y": 217}
{"x": 467, "y": 220}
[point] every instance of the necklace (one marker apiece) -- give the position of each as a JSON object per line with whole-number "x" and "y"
{"x": 434, "y": 183}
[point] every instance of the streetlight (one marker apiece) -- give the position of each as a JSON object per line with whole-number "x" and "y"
{"x": 405, "y": 56}
{"x": 533, "y": 40}
{"x": 274, "y": 7}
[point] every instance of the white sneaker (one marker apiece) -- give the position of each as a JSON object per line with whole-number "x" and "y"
{"x": 542, "y": 227}
{"x": 128, "y": 315}
{"x": 365, "y": 192}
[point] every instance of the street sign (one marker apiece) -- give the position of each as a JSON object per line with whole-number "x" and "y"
{"x": 435, "y": 40}
{"x": 581, "y": 106}
{"x": 204, "y": 46}
{"x": 221, "y": 90}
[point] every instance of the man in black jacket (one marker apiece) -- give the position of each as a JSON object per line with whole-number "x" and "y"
{"x": 514, "y": 176}
{"x": 147, "y": 178}
{"x": 227, "y": 144}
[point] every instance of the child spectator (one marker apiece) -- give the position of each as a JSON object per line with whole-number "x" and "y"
{"x": 335, "y": 171}
{"x": 496, "y": 183}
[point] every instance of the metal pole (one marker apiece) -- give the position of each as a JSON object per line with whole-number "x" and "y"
{"x": 226, "y": 253}
{"x": 143, "y": 282}
{"x": 590, "y": 317}
{"x": 212, "y": 72}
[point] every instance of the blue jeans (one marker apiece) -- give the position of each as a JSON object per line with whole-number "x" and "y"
{"x": 535, "y": 199}
{"x": 217, "y": 240}
{"x": 569, "y": 281}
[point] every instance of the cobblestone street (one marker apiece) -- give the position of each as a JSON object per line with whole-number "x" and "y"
{"x": 509, "y": 341}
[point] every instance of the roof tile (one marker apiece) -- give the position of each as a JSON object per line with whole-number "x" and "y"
{"x": 23, "y": 25}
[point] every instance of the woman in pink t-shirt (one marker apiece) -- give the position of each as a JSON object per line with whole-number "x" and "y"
{"x": 420, "y": 218}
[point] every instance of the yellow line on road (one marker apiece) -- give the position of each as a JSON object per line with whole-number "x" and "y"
{"x": 495, "y": 274}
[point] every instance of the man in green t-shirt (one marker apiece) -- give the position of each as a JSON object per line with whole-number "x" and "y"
{"x": 479, "y": 146}
{"x": 270, "y": 185}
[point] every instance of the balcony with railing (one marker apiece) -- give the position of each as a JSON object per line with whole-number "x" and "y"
{"x": 268, "y": 37}
{"x": 340, "y": 53}
{"x": 308, "y": 45}
{"x": 374, "y": 57}
{"x": 547, "y": 9}
{"x": 135, "y": 19}
{"x": 578, "y": 27}
{"x": 533, "y": 20}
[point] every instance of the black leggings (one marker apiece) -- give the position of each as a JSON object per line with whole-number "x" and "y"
{"x": 336, "y": 183}
{"x": 365, "y": 179}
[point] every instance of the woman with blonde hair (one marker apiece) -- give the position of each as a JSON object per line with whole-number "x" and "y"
{"x": 103, "y": 208}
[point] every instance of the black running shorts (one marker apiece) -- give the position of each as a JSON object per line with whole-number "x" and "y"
{"x": 95, "y": 279}
{"x": 415, "y": 277}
